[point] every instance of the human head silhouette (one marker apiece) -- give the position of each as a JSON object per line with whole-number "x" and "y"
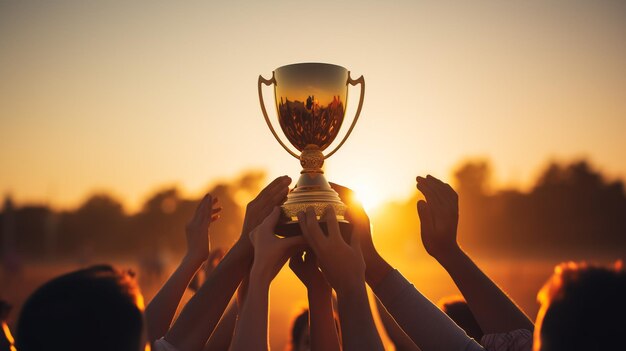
{"x": 583, "y": 307}
{"x": 97, "y": 308}
{"x": 300, "y": 332}
{"x": 457, "y": 309}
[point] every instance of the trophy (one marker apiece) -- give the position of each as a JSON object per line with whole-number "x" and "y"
{"x": 310, "y": 102}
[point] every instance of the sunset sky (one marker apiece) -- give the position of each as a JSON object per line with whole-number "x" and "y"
{"x": 126, "y": 97}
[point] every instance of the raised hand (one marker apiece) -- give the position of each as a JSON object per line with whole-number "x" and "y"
{"x": 307, "y": 271}
{"x": 271, "y": 252}
{"x": 439, "y": 216}
{"x": 160, "y": 311}
{"x": 198, "y": 319}
{"x": 376, "y": 267}
{"x": 258, "y": 209}
{"x": 197, "y": 229}
{"x": 358, "y": 217}
{"x": 341, "y": 262}
{"x": 343, "y": 266}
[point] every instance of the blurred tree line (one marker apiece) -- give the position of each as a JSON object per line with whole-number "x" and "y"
{"x": 100, "y": 227}
{"x": 572, "y": 211}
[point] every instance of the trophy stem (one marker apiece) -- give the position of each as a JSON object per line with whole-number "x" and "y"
{"x": 311, "y": 191}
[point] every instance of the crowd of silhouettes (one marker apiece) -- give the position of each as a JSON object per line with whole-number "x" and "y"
{"x": 102, "y": 308}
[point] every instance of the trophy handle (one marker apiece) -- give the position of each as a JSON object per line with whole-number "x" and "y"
{"x": 269, "y": 82}
{"x": 353, "y": 82}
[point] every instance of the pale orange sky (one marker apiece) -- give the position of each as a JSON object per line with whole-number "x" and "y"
{"x": 128, "y": 96}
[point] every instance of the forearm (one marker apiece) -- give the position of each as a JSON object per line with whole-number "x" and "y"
{"x": 252, "y": 326}
{"x": 223, "y": 334}
{"x": 398, "y": 337}
{"x": 494, "y": 311}
{"x": 322, "y": 321}
{"x": 160, "y": 311}
{"x": 376, "y": 268}
{"x": 202, "y": 313}
{"x": 357, "y": 324}
{"x": 428, "y": 327}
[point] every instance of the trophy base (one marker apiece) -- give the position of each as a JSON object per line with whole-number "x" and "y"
{"x": 311, "y": 191}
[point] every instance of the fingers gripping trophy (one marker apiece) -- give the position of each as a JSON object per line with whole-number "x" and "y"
{"x": 311, "y": 103}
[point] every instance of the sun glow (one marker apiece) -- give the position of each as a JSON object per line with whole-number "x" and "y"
{"x": 368, "y": 196}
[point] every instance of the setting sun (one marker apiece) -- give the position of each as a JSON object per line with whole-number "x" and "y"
{"x": 368, "y": 195}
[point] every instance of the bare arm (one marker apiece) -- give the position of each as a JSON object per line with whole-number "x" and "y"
{"x": 203, "y": 311}
{"x": 427, "y": 326}
{"x": 252, "y": 327}
{"x": 270, "y": 254}
{"x": 323, "y": 331}
{"x": 495, "y": 312}
{"x": 160, "y": 311}
{"x": 400, "y": 340}
{"x": 223, "y": 334}
{"x": 344, "y": 267}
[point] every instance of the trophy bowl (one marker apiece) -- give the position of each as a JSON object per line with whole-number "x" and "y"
{"x": 311, "y": 100}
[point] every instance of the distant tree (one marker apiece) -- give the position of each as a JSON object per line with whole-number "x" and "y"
{"x": 98, "y": 224}
{"x": 473, "y": 178}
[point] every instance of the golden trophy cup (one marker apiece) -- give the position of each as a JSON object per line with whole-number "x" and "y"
{"x": 311, "y": 100}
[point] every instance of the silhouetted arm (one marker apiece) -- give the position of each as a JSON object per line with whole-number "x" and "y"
{"x": 160, "y": 311}
{"x": 323, "y": 332}
{"x": 494, "y": 311}
{"x": 427, "y": 326}
{"x": 376, "y": 266}
{"x": 344, "y": 268}
{"x": 251, "y": 331}
{"x": 199, "y": 317}
{"x": 270, "y": 254}
{"x": 398, "y": 337}
{"x": 223, "y": 335}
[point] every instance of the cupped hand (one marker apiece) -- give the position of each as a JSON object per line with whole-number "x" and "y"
{"x": 258, "y": 209}
{"x": 439, "y": 216}
{"x": 306, "y": 269}
{"x": 270, "y": 251}
{"x": 341, "y": 262}
{"x": 197, "y": 229}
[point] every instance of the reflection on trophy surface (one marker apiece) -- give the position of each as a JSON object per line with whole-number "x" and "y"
{"x": 306, "y": 123}
{"x": 310, "y": 103}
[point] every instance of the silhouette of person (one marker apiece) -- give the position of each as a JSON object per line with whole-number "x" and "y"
{"x": 300, "y": 337}
{"x": 457, "y": 309}
{"x": 583, "y": 307}
{"x": 97, "y": 309}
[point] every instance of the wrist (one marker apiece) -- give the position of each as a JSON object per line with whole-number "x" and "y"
{"x": 260, "y": 277}
{"x": 351, "y": 286}
{"x": 376, "y": 269}
{"x": 192, "y": 260}
{"x": 319, "y": 289}
{"x": 351, "y": 290}
{"x": 450, "y": 256}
